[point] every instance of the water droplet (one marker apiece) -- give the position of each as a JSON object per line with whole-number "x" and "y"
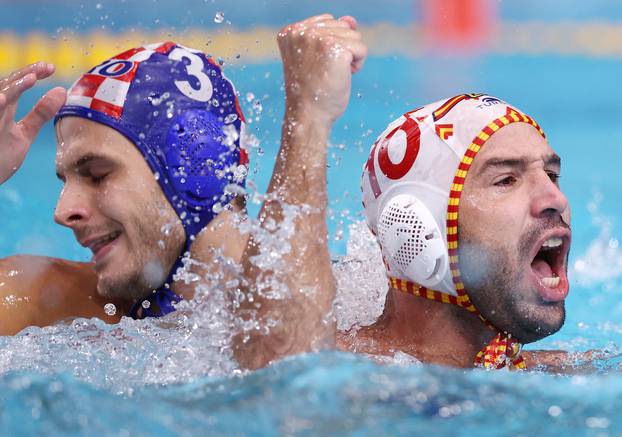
{"x": 110, "y": 309}
{"x": 98, "y": 6}
{"x": 250, "y": 97}
{"x": 231, "y": 118}
{"x": 240, "y": 172}
{"x": 219, "y": 17}
{"x": 146, "y": 304}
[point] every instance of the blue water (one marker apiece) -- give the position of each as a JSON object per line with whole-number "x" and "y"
{"x": 322, "y": 394}
{"x": 578, "y": 102}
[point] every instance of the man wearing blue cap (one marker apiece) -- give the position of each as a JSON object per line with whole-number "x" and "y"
{"x": 171, "y": 108}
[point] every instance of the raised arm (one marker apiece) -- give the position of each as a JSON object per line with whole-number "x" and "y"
{"x": 319, "y": 56}
{"x": 16, "y": 137}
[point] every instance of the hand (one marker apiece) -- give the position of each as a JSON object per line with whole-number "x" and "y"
{"x": 15, "y": 138}
{"x": 319, "y": 56}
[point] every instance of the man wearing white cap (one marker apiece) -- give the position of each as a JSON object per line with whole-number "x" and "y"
{"x": 463, "y": 198}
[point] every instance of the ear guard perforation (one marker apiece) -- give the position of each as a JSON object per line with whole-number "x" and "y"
{"x": 411, "y": 240}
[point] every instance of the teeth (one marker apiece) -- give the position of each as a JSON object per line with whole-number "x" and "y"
{"x": 552, "y": 243}
{"x": 105, "y": 239}
{"x": 551, "y": 282}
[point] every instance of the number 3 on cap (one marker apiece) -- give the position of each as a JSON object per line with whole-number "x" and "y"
{"x": 194, "y": 69}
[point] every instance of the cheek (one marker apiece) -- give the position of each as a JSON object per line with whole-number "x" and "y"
{"x": 490, "y": 218}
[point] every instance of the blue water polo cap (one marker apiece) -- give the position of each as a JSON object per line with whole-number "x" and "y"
{"x": 175, "y": 104}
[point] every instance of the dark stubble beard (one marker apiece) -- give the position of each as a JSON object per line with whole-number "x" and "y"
{"x": 137, "y": 284}
{"x": 498, "y": 286}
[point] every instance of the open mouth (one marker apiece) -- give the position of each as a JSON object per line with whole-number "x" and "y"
{"x": 549, "y": 267}
{"x": 103, "y": 245}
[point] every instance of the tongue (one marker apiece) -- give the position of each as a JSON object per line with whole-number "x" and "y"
{"x": 542, "y": 268}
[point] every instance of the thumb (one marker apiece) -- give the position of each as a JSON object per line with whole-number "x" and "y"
{"x": 43, "y": 111}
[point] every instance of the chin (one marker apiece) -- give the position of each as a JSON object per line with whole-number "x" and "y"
{"x": 535, "y": 322}
{"x": 119, "y": 286}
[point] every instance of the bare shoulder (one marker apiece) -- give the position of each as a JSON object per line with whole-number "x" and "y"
{"x": 40, "y": 291}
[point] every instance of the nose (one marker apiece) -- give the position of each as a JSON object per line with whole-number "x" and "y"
{"x": 548, "y": 200}
{"x": 72, "y": 208}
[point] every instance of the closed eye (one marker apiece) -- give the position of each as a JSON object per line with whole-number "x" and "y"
{"x": 98, "y": 179}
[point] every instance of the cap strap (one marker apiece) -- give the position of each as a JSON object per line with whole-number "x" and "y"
{"x": 502, "y": 351}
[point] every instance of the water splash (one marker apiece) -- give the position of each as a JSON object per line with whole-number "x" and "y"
{"x": 601, "y": 263}
{"x": 361, "y": 280}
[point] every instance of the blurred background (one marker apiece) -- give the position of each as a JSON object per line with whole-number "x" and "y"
{"x": 558, "y": 60}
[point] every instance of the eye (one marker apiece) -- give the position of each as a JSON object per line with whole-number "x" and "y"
{"x": 507, "y": 181}
{"x": 97, "y": 177}
{"x": 554, "y": 176}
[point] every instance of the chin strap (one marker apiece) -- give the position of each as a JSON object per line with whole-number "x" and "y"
{"x": 502, "y": 351}
{"x": 161, "y": 301}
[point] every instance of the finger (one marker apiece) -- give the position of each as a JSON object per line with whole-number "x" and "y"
{"x": 40, "y": 69}
{"x": 350, "y": 21}
{"x": 13, "y": 90}
{"x": 318, "y": 18}
{"x": 340, "y": 33}
{"x": 332, "y": 23}
{"x": 358, "y": 50}
{"x": 43, "y": 111}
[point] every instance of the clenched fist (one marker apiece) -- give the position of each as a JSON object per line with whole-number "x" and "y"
{"x": 319, "y": 56}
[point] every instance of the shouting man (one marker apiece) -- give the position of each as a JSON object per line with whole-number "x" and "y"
{"x": 463, "y": 198}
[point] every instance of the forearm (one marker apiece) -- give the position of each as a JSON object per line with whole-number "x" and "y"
{"x": 299, "y": 180}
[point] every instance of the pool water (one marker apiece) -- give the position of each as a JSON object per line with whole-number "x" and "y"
{"x": 88, "y": 378}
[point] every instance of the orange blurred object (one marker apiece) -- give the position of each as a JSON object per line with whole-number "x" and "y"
{"x": 459, "y": 23}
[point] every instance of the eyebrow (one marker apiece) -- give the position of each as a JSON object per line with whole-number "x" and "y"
{"x": 82, "y": 161}
{"x": 520, "y": 163}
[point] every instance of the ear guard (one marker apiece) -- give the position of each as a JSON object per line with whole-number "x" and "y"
{"x": 202, "y": 162}
{"x": 412, "y": 243}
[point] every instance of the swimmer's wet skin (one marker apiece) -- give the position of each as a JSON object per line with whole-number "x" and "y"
{"x": 463, "y": 198}
{"x": 149, "y": 153}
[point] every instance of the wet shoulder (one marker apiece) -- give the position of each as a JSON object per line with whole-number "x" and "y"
{"x": 40, "y": 291}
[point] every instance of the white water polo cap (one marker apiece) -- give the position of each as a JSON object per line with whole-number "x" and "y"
{"x": 413, "y": 179}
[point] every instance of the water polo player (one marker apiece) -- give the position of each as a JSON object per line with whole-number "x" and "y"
{"x": 463, "y": 198}
{"x": 149, "y": 153}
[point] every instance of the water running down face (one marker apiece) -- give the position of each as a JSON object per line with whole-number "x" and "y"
{"x": 115, "y": 207}
{"x": 514, "y": 235}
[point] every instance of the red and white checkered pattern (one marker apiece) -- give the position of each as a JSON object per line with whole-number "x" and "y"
{"x": 107, "y": 94}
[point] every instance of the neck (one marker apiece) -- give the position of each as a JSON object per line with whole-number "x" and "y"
{"x": 217, "y": 250}
{"x": 434, "y": 332}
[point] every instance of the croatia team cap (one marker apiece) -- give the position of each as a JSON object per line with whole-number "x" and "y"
{"x": 176, "y": 105}
{"x": 413, "y": 180}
